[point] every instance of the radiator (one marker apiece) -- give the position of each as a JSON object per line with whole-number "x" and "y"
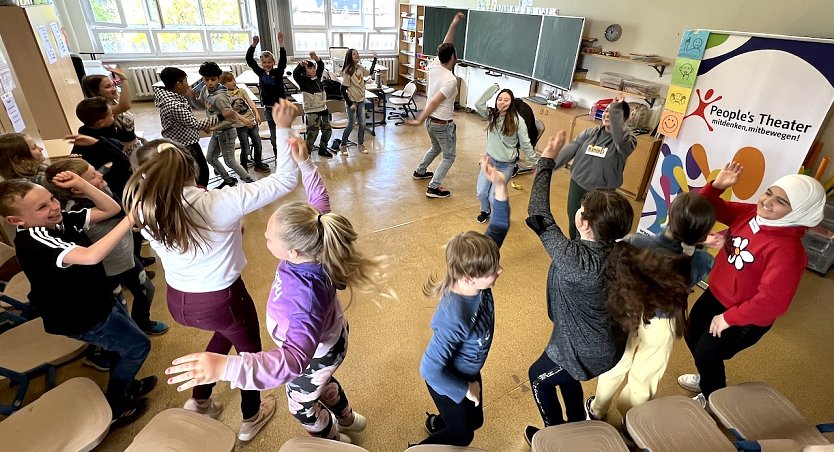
{"x": 392, "y": 75}
{"x": 143, "y": 77}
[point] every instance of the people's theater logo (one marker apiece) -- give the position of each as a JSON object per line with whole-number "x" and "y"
{"x": 703, "y": 103}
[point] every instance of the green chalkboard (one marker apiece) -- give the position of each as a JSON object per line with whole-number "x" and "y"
{"x": 503, "y": 41}
{"x": 436, "y": 24}
{"x": 561, "y": 37}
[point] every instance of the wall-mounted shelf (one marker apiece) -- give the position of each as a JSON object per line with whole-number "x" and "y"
{"x": 595, "y": 84}
{"x": 659, "y": 66}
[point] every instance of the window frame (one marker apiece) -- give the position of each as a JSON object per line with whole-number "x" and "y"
{"x": 334, "y": 34}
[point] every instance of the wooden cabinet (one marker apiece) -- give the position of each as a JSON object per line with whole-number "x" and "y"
{"x": 640, "y": 163}
{"x": 554, "y": 119}
{"x": 47, "y": 79}
{"x": 411, "y": 45}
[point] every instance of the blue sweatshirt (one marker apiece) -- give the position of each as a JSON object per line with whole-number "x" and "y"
{"x": 463, "y": 328}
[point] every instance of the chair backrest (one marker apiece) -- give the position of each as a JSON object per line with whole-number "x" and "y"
{"x": 584, "y": 435}
{"x": 178, "y": 427}
{"x": 409, "y": 89}
{"x": 9, "y": 265}
{"x": 540, "y": 127}
{"x": 337, "y": 56}
{"x": 312, "y": 444}
{"x": 336, "y": 106}
{"x": 675, "y": 424}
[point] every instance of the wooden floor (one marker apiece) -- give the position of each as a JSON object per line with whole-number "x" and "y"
{"x": 389, "y": 333}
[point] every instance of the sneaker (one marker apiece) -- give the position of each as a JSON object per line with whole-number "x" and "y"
{"x": 427, "y": 175}
{"x": 248, "y": 429}
{"x": 206, "y": 408}
{"x": 262, "y": 168}
{"x": 438, "y": 192}
{"x": 363, "y": 149}
{"x": 529, "y": 431}
{"x": 690, "y": 382}
{"x": 589, "y": 413}
{"x": 147, "y": 261}
{"x": 342, "y": 438}
{"x": 434, "y": 423}
{"x": 701, "y": 400}
{"x": 324, "y": 152}
{"x": 98, "y": 359}
{"x": 150, "y": 274}
{"x": 142, "y": 387}
{"x": 227, "y": 183}
{"x": 337, "y": 143}
{"x": 155, "y": 328}
{"x": 343, "y": 150}
{"x": 135, "y": 410}
{"x": 523, "y": 170}
{"x": 515, "y": 171}
{"x": 358, "y": 425}
{"x": 483, "y": 216}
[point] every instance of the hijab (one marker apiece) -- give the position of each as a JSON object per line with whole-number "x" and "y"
{"x": 807, "y": 198}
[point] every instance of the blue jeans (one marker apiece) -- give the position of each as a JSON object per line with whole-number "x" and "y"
{"x": 244, "y": 135}
{"x": 443, "y": 139}
{"x": 353, "y": 116}
{"x": 223, "y": 141}
{"x": 484, "y": 189}
{"x": 271, "y": 123}
{"x": 130, "y": 346}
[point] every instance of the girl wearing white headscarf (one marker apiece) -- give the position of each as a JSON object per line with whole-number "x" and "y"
{"x": 755, "y": 275}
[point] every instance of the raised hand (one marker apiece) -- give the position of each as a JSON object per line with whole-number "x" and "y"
{"x": 728, "y": 176}
{"x": 81, "y": 140}
{"x": 280, "y": 39}
{"x": 458, "y": 17}
{"x": 197, "y": 369}
{"x": 554, "y": 145}
{"x": 298, "y": 148}
{"x": 257, "y": 39}
{"x": 68, "y": 180}
{"x": 313, "y": 56}
{"x": 283, "y": 112}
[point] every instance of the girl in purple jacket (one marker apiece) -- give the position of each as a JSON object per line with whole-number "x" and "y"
{"x": 304, "y": 317}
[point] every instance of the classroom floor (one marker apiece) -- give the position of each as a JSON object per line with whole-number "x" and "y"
{"x": 390, "y": 330}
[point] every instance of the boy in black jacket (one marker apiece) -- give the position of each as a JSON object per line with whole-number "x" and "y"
{"x": 308, "y": 77}
{"x": 270, "y": 79}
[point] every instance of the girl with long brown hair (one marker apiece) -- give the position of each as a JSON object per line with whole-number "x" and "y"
{"x": 648, "y": 280}
{"x": 353, "y": 89}
{"x": 318, "y": 255}
{"x": 118, "y": 98}
{"x": 21, "y": 157}
{"x": 197, "y": 235}
{"x": 506, "y": 133}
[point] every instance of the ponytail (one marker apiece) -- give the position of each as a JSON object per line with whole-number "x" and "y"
{"x": 639, "y": 283}
{"x": 331, "y": 240}
{"x": 153, "y": 196}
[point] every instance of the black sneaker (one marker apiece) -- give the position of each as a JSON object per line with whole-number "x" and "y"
{"x": 141, "y": 387}
{"x": 427, "y": 175}
{"x": 529, "y": 431}
{"x": 483, "y": 216}
{"x": 434, "y": 423}
{"x": 98, "y": 359}
{"x": 589, "y": 413}
{"x": 515, "y": 171}
{"x": 438, "y": 192}
{"x": 147, "y": 261}
{"x": 324, "y": 152}
{"x": 133, "y": 411}
{"x": 150, "y": 274}
{"x": 262, "y": 168}
{"x": 337, "y": 143}
{"x": 227, "y": 183}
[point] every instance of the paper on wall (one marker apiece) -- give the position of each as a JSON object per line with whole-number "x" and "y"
{"x": 13, "y": 112}
{"x": 6, "y": 81}
{"x": 59, "y": 39}
{"x": 51, "y": 56}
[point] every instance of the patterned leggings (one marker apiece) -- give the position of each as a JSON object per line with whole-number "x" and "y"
{"x": 314, "y": 394}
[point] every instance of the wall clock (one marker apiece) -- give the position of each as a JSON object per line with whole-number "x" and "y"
{"x": 613, "y": 32}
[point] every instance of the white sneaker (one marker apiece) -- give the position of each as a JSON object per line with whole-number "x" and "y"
{"x": 690, "y": 382}
{"x": 207, "y": 407}
{"x": 358, "y": 425}
{"x": 701, "y": 400}
{"x": 344, "y": 439}
{"x": 343, "y": 149}
{"x": 363, "y": 149}
{"x": 249, "y": 429}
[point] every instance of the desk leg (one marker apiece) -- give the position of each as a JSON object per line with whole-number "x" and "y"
{"x": 373, "y": 120}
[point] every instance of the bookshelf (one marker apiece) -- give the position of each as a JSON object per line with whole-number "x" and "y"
{"x": 411, "y": 44}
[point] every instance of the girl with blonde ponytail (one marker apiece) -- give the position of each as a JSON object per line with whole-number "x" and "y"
{"x": 318, "y": 255}
{"x": 197, "y": 234}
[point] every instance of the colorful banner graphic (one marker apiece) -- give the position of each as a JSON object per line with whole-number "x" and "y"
{"x": 757, "y": 100}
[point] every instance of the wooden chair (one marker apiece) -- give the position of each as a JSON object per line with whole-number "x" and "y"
{"x": 757, "y": 411}
{"x": 586, "y": 435}
{"x": 74, "y": 416}
{"x": 298, "y": 123}
{"x": 179, "y": 430}
{"x": 27, "y": 351}
{"x": 312, "y": 444}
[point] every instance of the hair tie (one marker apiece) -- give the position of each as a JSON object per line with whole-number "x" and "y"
{"x": 318, "y": 218}
{"x": 164, "y": 147}
{"x": 688, "y": 250}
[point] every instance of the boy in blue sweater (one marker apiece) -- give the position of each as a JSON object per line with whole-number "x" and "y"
{"x": 463, "y": 324}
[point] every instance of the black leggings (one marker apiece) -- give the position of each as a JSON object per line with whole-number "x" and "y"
{"x": 459, "y": 420}
{"x": 545, "y": 377}
{"x": 202, "y": 165}
{"x": 709, "y": 351}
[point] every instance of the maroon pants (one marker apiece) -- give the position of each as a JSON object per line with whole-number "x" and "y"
{"x": 230, "y": 313}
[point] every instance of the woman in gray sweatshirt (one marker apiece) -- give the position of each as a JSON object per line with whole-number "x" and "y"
{"x": 586, "y": 341}
{"x": 599, "y": 155}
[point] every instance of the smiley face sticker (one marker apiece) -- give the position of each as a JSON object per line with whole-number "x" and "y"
{"x": 670, "y": 123}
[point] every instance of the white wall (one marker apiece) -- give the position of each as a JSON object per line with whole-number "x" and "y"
{"x": 655, "y": 27}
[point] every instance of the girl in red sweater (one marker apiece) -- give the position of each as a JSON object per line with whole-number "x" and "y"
{"x": 755, "y": 275}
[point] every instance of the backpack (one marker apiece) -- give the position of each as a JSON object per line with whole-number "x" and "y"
{"x": 526, "y": 113}
{"x": 332, "y": 89}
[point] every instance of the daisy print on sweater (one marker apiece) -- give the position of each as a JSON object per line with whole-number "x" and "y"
{"x": 737, "y": 254}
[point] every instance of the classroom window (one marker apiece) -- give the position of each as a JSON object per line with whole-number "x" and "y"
{"x": 349, "y": 23}
{"x": 147, "y": 28}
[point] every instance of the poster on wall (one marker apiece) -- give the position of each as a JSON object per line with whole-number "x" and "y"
{"x": 13, "y": 111}
{"x": 757, "y": 100}
{"x": 60, "y": 39}
{"x": 51, "y": 56}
